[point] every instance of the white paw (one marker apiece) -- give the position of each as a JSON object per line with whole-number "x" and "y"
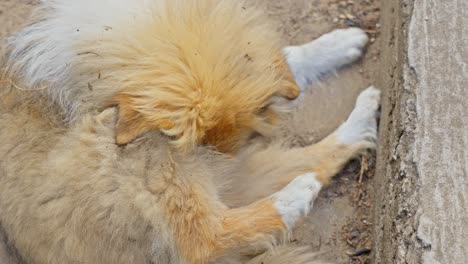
{"x": 361, "y": 125}
{"x": 325, "y": 55}
{"x": 296, "y": 199}
{"x": 345, "y": 45}
{"x": 369, "y": 99}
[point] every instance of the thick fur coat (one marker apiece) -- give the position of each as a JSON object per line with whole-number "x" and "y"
{"x": 125, "y": 127}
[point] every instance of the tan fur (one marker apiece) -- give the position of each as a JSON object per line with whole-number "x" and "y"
{"x": 104, "y": 199}
{"x": 204, "y": 106}
{"x": 275, "y": 166}
{"x": 70, "y": 194}
{"x": 98, "y": 203}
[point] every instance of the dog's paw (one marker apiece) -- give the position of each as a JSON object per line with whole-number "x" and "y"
{"x": 327, "y": 54}
{"x": 296, "y": 199}
{"x": 361, "y": 125}
{"x": 368, "y": 101}
{"x": 344, "y": 46}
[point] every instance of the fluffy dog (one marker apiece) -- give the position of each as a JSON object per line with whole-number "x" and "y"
{"x": 129, "y": 141}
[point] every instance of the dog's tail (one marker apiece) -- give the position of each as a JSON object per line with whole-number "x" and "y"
{"x": 288, "y": 254}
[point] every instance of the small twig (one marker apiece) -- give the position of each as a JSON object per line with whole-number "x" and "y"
{"x": 364, "y": 168}
{"x": 350, "y": 243}
{"x": 363, "y": 243}
{"x": 361, "y": 259}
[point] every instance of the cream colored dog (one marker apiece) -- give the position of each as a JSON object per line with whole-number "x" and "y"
{"x": 129, "y": 145}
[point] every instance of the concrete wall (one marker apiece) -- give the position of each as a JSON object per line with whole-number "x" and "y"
{"x": 422, "y": 178}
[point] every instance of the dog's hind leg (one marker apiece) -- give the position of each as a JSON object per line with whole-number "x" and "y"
{"x": 328, "y": 53}
{"x": 265, "y": 171}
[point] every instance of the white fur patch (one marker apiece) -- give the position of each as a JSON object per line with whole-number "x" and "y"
{"x": 48, "y": 54}
{"x": 361, "y": 125}
{"x": 296, "y": 199}
{"x": 325, "y": 55}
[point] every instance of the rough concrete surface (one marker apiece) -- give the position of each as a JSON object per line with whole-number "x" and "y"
{"x": 341, "y": 219}
{"x": 423, "y": 161}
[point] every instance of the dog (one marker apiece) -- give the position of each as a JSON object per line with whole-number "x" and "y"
{"x": 126, "y": 128}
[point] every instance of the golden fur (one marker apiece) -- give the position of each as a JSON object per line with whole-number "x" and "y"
{"x": 97, "y": 202}
{"x": 146, "y": 181}
{"x": 199, "y": 71}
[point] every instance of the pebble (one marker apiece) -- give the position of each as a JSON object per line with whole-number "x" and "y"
{"x": 355, "y": 234}
{"x": 359, "y": 252}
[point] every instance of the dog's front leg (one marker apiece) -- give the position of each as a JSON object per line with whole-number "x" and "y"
{"x": 265, "y": 171}
{"x": 206, "y": 231}
{"x": 325, "y": 55}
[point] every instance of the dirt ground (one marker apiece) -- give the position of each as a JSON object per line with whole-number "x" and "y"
{"x": 340, "y": 224}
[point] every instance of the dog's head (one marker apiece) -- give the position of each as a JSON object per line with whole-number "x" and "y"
{"x": 202, "y": 72}
{"x": 197, "y": 103}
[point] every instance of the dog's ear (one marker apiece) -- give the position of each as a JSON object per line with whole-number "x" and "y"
{"x": 132, "y": 123}
{"x": 182, "y": 118}
{"x": 188, "y": 121}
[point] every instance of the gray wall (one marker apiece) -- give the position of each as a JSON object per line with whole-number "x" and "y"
{"x": 421, "y": 213}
